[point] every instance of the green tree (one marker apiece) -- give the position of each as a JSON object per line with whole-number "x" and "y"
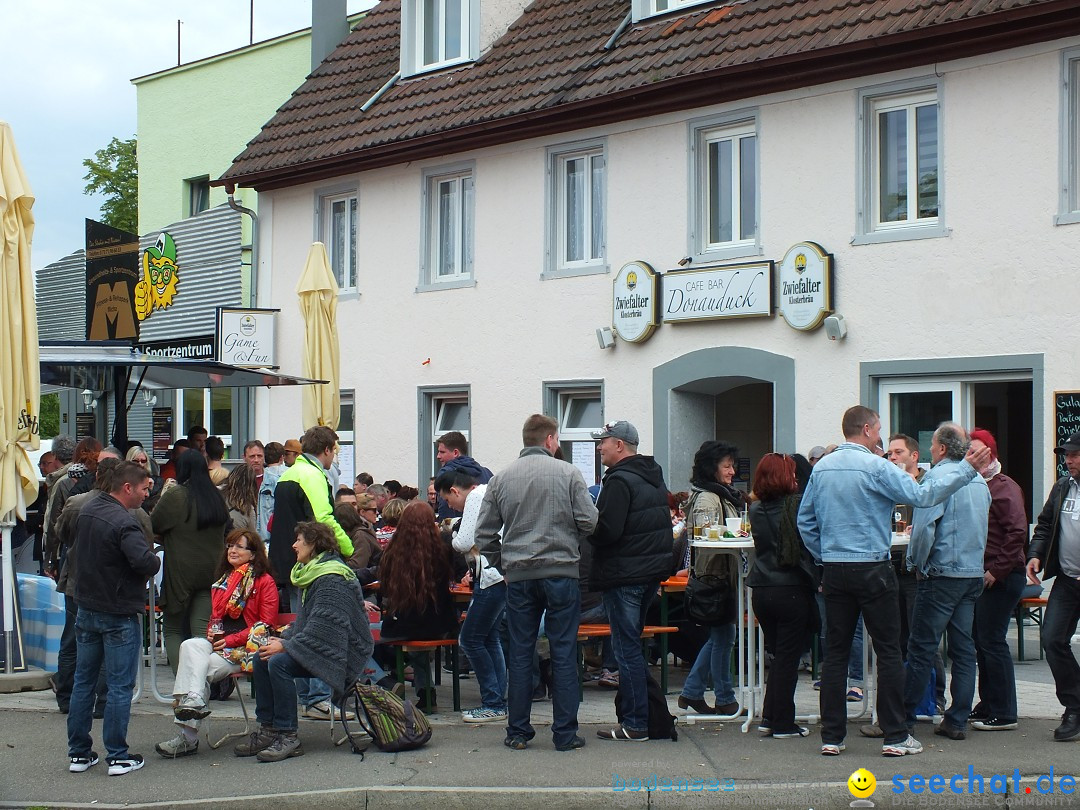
{"x": 114, "y": 172}
{"x": 49, "y": 419}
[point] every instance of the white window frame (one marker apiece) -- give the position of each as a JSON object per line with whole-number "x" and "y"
{"x": 653, "y": 8}
{"x": 558, "y": 397}
{"x": 431, "y": 401}
{"x": 464, "y": 223}
{"x": 347, "y": 438}
{"x": 557, "y": 263}
{"x": 734, "y": 126}
{"x": 324, "y": 201}
{"x": 1069, "y": 203}
{"x": 872, "y": 101}
{"x": 413, "y": 24}
{"x": 192, "y": 187}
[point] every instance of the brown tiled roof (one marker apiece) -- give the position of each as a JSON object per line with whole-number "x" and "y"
{"x": 550, "y": 72}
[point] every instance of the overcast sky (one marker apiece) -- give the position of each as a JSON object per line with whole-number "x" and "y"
{"x": 67, "y": 65}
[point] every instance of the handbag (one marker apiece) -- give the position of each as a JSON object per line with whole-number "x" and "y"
{"x": 710, "y": 600}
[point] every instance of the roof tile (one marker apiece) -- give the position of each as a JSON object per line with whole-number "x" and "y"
{"x": 553, "y": 56}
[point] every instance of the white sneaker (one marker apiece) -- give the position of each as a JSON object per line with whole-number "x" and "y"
{"x": 83, "y": 764}
{"x": 121, "y": 765}
{"x": 323, "y": 710}
{"x": 484, "y": 715}
{"x": 908, "y": 746}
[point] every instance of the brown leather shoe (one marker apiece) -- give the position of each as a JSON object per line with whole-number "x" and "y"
{"x": 699, "y": 705}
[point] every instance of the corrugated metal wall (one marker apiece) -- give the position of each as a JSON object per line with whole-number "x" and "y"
{"x": 61, "y": 299}
{"x": 208, "y": 248}
{"x": 208, "y": 255}
{"x": 208, "y": 258}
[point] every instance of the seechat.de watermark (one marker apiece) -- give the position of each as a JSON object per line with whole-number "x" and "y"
{"x": 652, "y": 782}
{"x": 973, "y": 783}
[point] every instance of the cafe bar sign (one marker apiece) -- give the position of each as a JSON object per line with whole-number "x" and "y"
{"x": 634, "y": 302}
{"x": 806, "y": 286}
{"x": 712, "y": 293}
{"x": 246, "y": 337}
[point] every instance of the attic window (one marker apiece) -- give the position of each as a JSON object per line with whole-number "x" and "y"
{"x": 650, "y": 8}
{"x": 438, "y": 33}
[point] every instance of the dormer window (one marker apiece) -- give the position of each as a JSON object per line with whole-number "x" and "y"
{"x": 438, "y": 33}
{"x": 650, "y": 8}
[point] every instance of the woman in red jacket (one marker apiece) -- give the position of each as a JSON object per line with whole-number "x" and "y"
{"x": 243, "y": 596}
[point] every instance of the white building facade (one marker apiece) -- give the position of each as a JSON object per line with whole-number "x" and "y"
{"x": 946, "y": 194}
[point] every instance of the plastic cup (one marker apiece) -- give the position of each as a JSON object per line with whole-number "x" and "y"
{"x": 734, "y": 525}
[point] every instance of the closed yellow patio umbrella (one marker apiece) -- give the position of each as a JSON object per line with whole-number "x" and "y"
{"x": 20, "y": 376}
{"x": 318, "y": 292}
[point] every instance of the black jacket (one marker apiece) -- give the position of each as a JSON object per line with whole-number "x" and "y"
{"x": 633, "y": 538}
{"x": 1045, "y": 537}
{"x": 765, "y": 518}
{"x": 115, "y": 561}
{"x": 291, "y": 506}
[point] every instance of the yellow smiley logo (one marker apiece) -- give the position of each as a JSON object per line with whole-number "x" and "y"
{"x": 862, "y": 784}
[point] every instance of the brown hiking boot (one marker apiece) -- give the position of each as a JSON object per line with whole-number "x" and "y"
{"x": 256, "y": 742}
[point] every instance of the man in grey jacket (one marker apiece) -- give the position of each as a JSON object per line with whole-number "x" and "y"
{"x": 534, "y": 517}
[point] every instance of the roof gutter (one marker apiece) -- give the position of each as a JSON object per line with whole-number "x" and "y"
{"x": 968, "y": 37}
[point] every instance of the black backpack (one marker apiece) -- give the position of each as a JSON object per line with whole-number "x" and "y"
{"x": 661, "y": 721}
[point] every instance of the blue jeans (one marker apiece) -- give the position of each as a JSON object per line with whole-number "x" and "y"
{"x": 309, "y": 691}
{"x": 598, "y": 615}
{"x": 526, "y": 601}
{"x": 626, "y": 607}
{"x": 479, "y": 639}
{"x": 943, "y": 604}
{"x": 118, "y": 641}
{"x": 275, "y": 690}
{"x": 715, "y": 659}
{"x": 993, "y": 612}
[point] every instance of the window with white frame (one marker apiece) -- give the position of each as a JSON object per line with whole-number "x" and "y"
{"x": 901, "y": 178}
{"x": 437, "y": 33}
{"x": 1070, "y": 140}
{"x": 578, "y": 183}
{"x": 338, "y": 232}
{"x": 442, "y": 410}
{"x": 648, "y": 8}
{"x": 579, "y": 409}
{"x": 346, "y": 457}
{"x": 198, "y": 195}
{"x": 448, "y": 233}
{"x": 727, "y": 188}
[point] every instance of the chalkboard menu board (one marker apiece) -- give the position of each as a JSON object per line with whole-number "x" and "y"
{"x": 1066, "y": 421}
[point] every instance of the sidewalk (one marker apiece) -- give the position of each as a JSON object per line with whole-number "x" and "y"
{"x": 467, "y": 765}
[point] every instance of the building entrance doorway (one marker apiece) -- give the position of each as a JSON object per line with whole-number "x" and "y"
{"x": 1002, "y": 406}
{"x": 733, "y": 409}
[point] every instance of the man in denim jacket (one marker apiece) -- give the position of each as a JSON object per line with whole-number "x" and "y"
{"x": 948, "y": 542}
{"x": 845, "y": 520}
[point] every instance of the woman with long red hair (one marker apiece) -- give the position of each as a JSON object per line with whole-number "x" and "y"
{"x": 784, "y": 579}
{"x": 414, "y": 583}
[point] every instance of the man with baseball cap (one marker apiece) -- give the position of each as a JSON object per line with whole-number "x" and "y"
{"x": 1055, "y": 551}
{"x": 631, "y": 556}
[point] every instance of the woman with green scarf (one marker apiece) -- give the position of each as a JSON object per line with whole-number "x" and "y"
{"x": 330, "y": 640}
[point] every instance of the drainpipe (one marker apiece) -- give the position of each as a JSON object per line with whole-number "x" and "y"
{"x": 253, "y": 297}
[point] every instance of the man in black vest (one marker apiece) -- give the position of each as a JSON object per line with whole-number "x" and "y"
{"x": 632, "y": 555}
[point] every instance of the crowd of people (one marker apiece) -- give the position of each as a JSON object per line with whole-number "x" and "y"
{"x": 276, "y": 568}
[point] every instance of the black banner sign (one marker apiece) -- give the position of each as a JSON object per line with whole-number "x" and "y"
{"x": 112, "y": 271}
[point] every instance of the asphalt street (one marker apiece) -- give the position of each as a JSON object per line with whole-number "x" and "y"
{"x": 467, "y": 766}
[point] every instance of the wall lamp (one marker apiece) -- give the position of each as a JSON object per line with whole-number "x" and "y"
{"x": 89, "y": 399}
